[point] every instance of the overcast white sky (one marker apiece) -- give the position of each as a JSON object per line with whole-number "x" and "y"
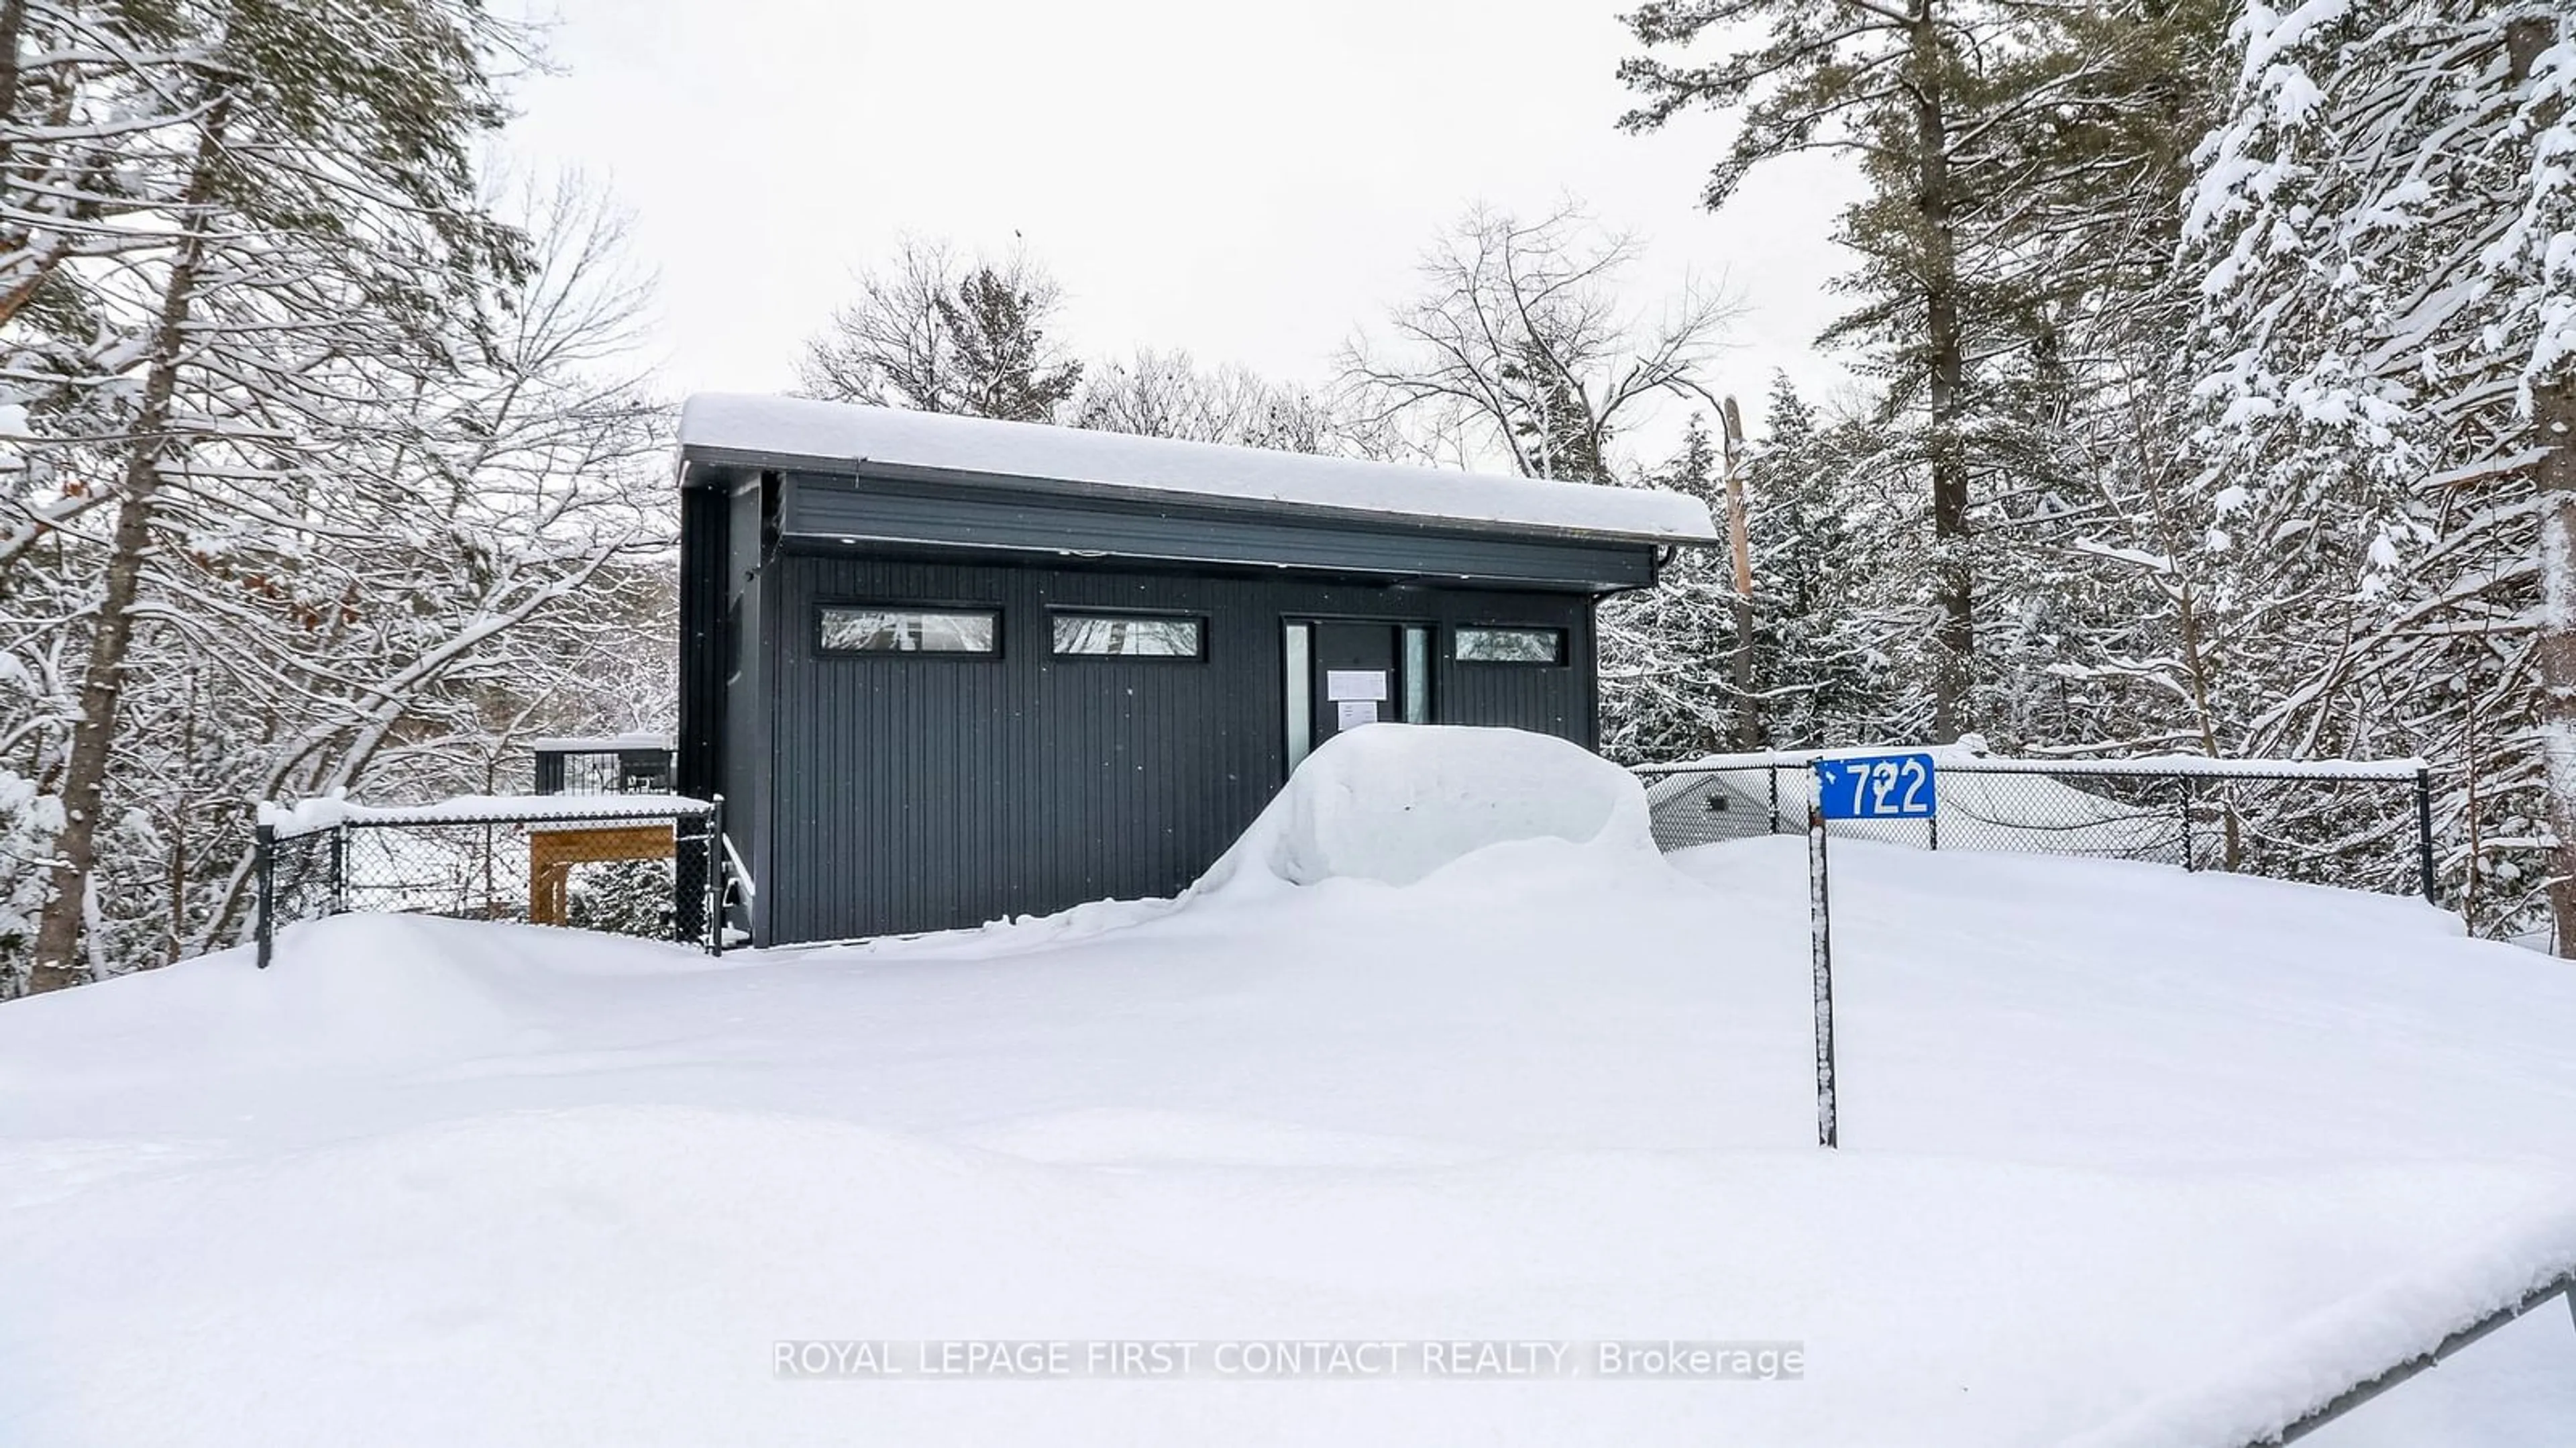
{"x": 1246, "y": 182}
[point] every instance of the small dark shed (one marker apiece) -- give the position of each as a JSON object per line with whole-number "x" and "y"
{"x": 615, "y": 764}
{"x": 945, "y": 670}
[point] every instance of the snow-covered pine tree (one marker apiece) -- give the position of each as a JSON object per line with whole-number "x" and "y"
{"x": 1013, "y": 368}
{"x": 2023, "y": 163}
{"x": 2082, "y": 649}
{"x": 1667, "y": 691}
{"x": 1910, "y": 91}
{"x": 1821, "y": 660}
{"x": 1555, "y": 426}
{"x": 1819, "y": 663}
{"x": 2386, "y": 226}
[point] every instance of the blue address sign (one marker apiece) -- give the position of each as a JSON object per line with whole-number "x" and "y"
{"x": 1876, "y": 787}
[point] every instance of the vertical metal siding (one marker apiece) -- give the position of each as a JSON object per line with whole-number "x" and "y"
{"x": 917, "y": 792}
{"x": 747, "y": 758}
{"x": 704, "y": 550}
{"x": 1549, "y": 698}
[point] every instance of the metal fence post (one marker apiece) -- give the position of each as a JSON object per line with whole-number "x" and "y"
{"x": 264, "y": 865}
{"x": 339, "y": 869}
{"x": 1828, "y": 1129}
{"x": 716, "y": 877}
{"x": 1773, "y": 771}
{"x": 2185, "y": 791}
{"x": 2424, "y": 830}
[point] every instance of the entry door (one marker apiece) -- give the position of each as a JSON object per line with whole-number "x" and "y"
{"x": 1344, "y": 675}
{"x": 1355, "y": 682}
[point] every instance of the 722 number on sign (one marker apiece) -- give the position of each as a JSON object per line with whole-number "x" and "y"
{"x": 1877, "y": 787}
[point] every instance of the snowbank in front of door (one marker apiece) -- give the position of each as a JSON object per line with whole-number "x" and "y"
{"x": 1395, "y": 802}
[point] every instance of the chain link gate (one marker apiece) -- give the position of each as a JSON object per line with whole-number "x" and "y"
{"x": 625, "y": 864}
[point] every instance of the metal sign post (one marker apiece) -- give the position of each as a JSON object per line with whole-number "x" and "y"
{"x": 1876, "y": 787}
{"x": 1820, "y": 917}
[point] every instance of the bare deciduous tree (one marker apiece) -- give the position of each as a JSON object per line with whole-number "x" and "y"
{"x": 1520, "y": 345}
{"x": 1166, "y": 394}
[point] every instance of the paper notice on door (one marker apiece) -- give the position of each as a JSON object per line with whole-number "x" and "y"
{"x": 1352, "y": 713}
{"x": 1341, "y": 684}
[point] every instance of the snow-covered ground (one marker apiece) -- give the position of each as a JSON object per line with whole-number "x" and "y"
{"x": 2128, "y": 1154}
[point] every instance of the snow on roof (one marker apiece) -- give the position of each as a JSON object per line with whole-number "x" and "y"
{"x": 845, "y": 433}
{"x": 327, "y": 812}
{"x": 599, "y": 743}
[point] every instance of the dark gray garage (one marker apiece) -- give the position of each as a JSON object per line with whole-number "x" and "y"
{"x": 945, "y": 670}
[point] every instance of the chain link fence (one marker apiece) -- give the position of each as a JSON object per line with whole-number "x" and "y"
{"x": 650, "y": 866}
{"x": 2357, "y": 824}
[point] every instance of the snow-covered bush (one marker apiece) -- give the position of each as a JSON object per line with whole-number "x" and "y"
{"x": 624, "y": 897}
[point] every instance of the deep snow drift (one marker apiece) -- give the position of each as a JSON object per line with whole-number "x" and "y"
{"x": 2114, "y": 1136}
{"x": 1393, "y": 805}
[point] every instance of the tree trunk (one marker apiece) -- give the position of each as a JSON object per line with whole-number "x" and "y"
{"x": 2553, "y": 416}
{"x": 58, "y": 933}
{"x": 1748, "y": 709}
{"x": 2525, "y": 38}
{"x": 1954, "y": 580}
{"x": 13, "y": 26}
{"x": 2553, "y": 419}
{"x": 181, "y": 809}
{"x": 1748, "y": 706}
